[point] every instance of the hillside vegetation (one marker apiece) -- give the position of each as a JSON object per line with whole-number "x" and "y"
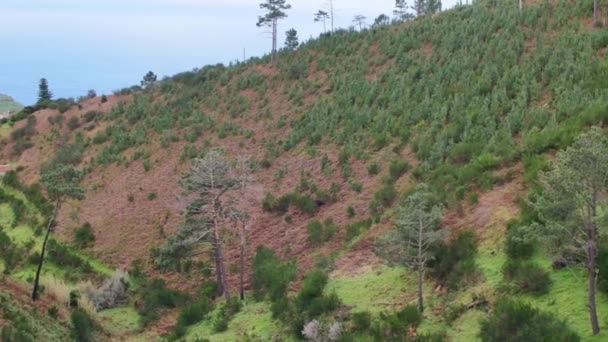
{"x": 8, "y": 104}
{"x": 335, "y": 138}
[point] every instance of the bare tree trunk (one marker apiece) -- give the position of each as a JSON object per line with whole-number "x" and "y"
{"x": 274, "y": 35}
{"x": 591, "y": 249}
{"x": 218, "y": 267}
{"x": 591, "y": 277}
{"x": 420, "y": 262}
{"x": 41, "y": 260}
{"x": 220, "y": 271}
{"x": 242, "y": 268}
{"x": 596, "y": 11}
{"x": 331, "y": 9}
{"x": 420, "y": 292}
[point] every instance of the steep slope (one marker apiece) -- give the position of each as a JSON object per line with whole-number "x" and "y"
{"x": 471, "y": 100}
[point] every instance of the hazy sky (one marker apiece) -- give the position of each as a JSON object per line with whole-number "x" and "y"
{"x": 106, "y": 45}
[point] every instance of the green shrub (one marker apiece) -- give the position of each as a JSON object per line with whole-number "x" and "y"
{"x": 154, "y": 296}
{"x": 73, "y": 123}
{"x": 373, "y": 169}
{"x": 84, "y": 236}
{"x": 319, "y": 233}
{"x": 355, "y": 185}
{"x": 311, "y": 300}
{"x": 61, "y": 255}
{"x": 514, "y": 321}
{"x": 350, "y": 211}
{"x": 355, "y": 229}
{"x": 305, "y": 204}
{"x": 602, "y": 265}
{"x": 453, "y": 263}
{"x": 396, "y": 169}
{"x": 527, "y": 277}
{"x": 91, "y": 116}
{"x": 194, "y": 312}
{"x": 82, "y": 325}
{"x": 386, "y": 195}
{"x": 271, "y": 277}
{"x": 315, "y": 232}
{"x": 520, "y": 242}
{"x": 396, "y": 326}
{"x": 226, "y": 313}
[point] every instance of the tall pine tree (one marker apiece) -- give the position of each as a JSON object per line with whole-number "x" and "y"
{"x": 275, "y": 11}
{"x": 44, "y": 94}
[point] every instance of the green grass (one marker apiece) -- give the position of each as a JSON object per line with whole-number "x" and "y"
{"x": 376, "y": 289}
{"x": 568, "y": 300}
{"x": 120, "y": 321}
{"x": 6, "y": 215}
{"x": 254, "y": 319}
{"x": 5, "y": 129}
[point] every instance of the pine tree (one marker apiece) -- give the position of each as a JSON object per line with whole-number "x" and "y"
{"x": 292, "y": 42}
{"x": 401, "y": 11}
{"x": 572, "y": 206}
{"x": 417, "y": 230}
{"x": 275, "y": 12}
{"x": 61, "y": 183}
{"x": 44, "y": 94}
{"x": 322, "y": 16}
{"x": 149, "y": 80}
{"x": 433, "y": 6}
{"x": 359, "y": 20}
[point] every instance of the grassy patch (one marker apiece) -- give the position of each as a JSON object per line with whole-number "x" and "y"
{"x": 254, "y": 320}
{"x": 375, "y": 289}
{"x": 6, "y": 215}
{"x": 5, "y": 129}
{"x": 120, "y": 321}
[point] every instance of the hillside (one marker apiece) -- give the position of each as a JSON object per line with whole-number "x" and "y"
{"x": 8, "y": 104}
{"x": 475, "y": 102}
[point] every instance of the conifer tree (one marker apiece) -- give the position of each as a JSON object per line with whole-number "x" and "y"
{"x": 572, "y": 205}
{"x": 292, "y": 42}
{"x": 44, "y": 94}
{"x": 61, "y": 182}
{"x": 322, "y": 16}
{"x": 275, "y": 11}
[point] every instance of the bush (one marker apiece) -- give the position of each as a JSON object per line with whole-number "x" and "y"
{"x": 305, "y": 204}
{"x": 226, "y": 313}
{"x": 373, "y": 169}
{"x": 111, "y": 294}
{"x": 84, "y": 236}
{"x": 155, "y": 295}
{"x": 271, "y": 277}
{"x": 194, "y": 312}
{"x": 516, "y": 321}
{"x": 520, "y": 243}
{"x": 82, "y": 325}
{"x": 310, "y": 300}
{"x": 91, "y": 116}
{"x": 396, "y": 326}
{"x": 386, "y": 195}
{"x": 73, "y": 123}
{"x": 453, "y": 263}
{"x": 355, "y": 229}
{"x": 63, "y": 256}
{"x": 396, "y": 169}
{"x": 602, "y": 265}
{"x": 527, "y": 277}
{"x": 319, "y": 233}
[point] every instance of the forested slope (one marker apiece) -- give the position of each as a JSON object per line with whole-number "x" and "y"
{"x": 337, "y": 136}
